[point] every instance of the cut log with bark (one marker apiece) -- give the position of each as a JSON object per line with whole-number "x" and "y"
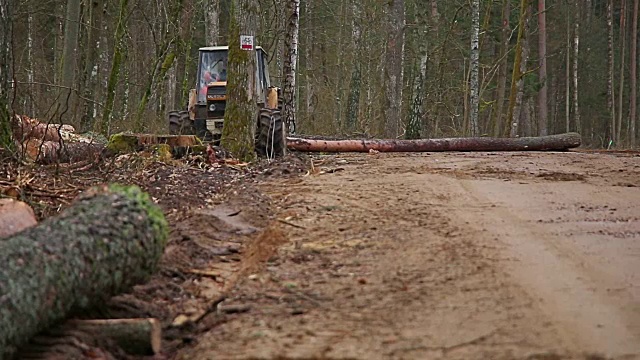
{"x": 109, "y": 240}
{"x": 15, "y": 216}
{"x": 559, "y": 142}
{"x": 134, "y": 336}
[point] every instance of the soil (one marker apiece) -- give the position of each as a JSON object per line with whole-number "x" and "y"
{"x": 389, "y": 256}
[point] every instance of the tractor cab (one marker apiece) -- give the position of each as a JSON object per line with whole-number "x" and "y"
{"x": 211, "y": 89}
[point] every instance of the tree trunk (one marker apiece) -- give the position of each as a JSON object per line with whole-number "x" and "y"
{"x": 517, "y": 81}
{"x": 111, "y": 239}
{"x": 6, "y": 18}
{"x": 212, "y": 22}
{"x": 71, "y": 25}
{"x": 118, "y": 50}
{"x": 552, "y": 142}
{"x": 542, "y": 72}
{"x": 567, "y": 98}
{"x": 633, "y": 75}
{"x": 576, "y": 52}
{"x": 474, "y": 66}
{"x": 504, "y": 66}
{"x": 291, "y": 65}
{"x": 394, "y": 80}
{"x": 241, "y": 113}
{"x": 623, "y": 43}
{"x": 611, "y": 65}
{"x": 353, "y": 102}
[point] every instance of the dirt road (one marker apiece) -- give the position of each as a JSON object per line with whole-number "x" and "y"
{"x": 457, "y": 256}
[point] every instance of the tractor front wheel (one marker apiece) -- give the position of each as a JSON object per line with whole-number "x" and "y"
{"x": 180, "y": 124}
{"x": 270, "y": 134}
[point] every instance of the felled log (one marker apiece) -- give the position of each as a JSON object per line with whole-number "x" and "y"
{"x": 544, "y": 143}
{"x": 49, "y": 152}
{"x": 15, "y": 216}
{"x": 110, "y": 239}
{"x": 134, "y": 336}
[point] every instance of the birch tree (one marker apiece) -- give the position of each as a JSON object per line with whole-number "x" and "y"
{"x": 576, "y": 53}
{"x": 474, "y": 85}
{"x": 291, "y": 65}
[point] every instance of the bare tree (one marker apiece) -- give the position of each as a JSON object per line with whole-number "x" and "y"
{"x": 610, "y": 63}
{"x": 623, "y": 43}
{"x": 519, "y": 67}
{"x": 576, "y": 52}
{"x": 394, "y": 75}
{"x": 542, "y": 71}
{"x": 212, "y": 21}
{"x": 634, "y": 77}
{"x": 353, "y": 102}
{"x": 5, "y": 78}
{"x": 474, "y": 65}
{"x": 71, "y": 23}
{"x": 291, "y": 64}
{"x": 504, "y": 66}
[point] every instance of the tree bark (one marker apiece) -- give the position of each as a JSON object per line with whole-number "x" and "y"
{"x": 15, "y": 216}
{"x": 576, "y": 52}
{"x": 212, "y": 22}
{"x": 552, "y": 142}
{"x": 71, "y": 26}
{"x": 516, "y": 76}
{"x": 394, "y": 79}
{"x": 110, "y": 240}
{"x": 241, "y": 113}
{"x": 6, "y": 18}
{"x": 610, "y": 63}
{"x": 633, "y": 75}
{"x": 474, "y": 66}
{"x": 504, "y": 66}
{"x": 543, "y": 109}
{"x": 134, "y": 336}
{"x": 353, "y": 102}
{"x": 291, "y": 65}
{"x": 623, "y": 43}
{"x": 118, "y": 50}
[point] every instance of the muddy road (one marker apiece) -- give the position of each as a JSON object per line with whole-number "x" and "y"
{"x": 456, "y": 256}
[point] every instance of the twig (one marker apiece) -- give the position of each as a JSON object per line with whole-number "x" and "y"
{"x": 291, "y": 224}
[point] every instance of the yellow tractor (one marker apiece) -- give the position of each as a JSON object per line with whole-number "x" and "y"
{"x": 204, "y": 116}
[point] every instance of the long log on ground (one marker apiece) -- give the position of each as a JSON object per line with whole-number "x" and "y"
{"x": 559, "y": 142}
{"x": 134, "y": 336}
{"x": 110, "y": 239}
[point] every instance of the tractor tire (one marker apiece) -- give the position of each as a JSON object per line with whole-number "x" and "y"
{"x": 180, "y": 124}
{"x": 270, "y": 134}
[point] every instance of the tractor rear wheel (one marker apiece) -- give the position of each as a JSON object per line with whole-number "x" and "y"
{"x": 270, "y": 134}
{"x": 179, "y": 123}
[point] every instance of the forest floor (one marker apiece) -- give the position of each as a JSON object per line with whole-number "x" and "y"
{"x": 395, "y": 256}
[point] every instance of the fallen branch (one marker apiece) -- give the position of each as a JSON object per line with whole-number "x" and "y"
{"x": 559, "y": 142}
{"x": 134, "y": 336}
{"x": 109, "y": 240}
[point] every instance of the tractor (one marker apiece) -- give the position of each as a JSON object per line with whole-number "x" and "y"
{"x": 204, "y": 116}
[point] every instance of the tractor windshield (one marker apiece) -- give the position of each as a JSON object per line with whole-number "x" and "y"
{"x": 213, "y": 67}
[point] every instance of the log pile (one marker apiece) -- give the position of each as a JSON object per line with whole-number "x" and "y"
{"x": 48, "y": 143}
{"x": 110, "y": 239}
